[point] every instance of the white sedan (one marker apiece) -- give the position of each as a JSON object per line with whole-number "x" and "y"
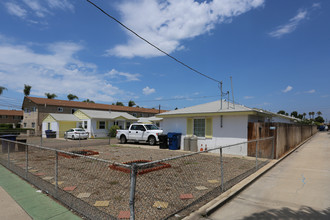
{"x": 76, "y": 133}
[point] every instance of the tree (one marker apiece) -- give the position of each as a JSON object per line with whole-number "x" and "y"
{"x": 27, "y": 89}
{"x": 313, "y": 113}
{"x": 50, "y": 96}
{"x": 72, "y": 97}
{"x": 319, "y": 113}
{"x": 310, "y": 115}
{"x": 119, "y": 103}
{"x": 131, "y": 103}
{"x": 89, "y": 101}
{"x": 300, "y": 116}
{"x": 282, "y": 112}
{"x": 2, "y": 89}
{"x": 319, "y": 119}
{"x": 304, "y": 115}
{"x": 294, "y": 114}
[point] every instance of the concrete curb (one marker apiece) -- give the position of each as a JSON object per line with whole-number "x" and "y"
{"x": 225, "y": 197}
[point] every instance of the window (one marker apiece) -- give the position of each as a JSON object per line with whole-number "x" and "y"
{"x": 24, "y": 125}
{"x": 26, "y": 110}
{"x": 59, "y": 109}
{"x": 101, "y": 124}
{"x": 3, "y": 116}
{"x": 33, "y": 124}
{"x": 85, "y": 124}
{"x": 34, "y": 109}
{"x": 199, "y": 127}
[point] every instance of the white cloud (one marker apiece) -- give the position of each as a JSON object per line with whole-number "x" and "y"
{"x": 310, "y": 91}
{"x": 290, "y": 26}
{"x": 171, "y": 21}
{"x": 248, "y": 97}
{"x": 148, "y": 91}
{"x": 31, "y": 10}
{"x": 57, "y": 71}
{"x": 287, "y": 89}
{"x": 129, "y": 76}
{"x": 60, "y": 4}
{"x": 16, "y": 10}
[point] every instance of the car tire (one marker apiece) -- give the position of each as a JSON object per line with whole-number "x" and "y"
{"x": 152, "y": 140}
{"x": 72, "y": 137}
{"x": 123, "y": 139}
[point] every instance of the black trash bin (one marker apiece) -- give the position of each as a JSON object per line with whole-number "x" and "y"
{"x": 6, "y": 144}
{"x": 21, "y": 147}
{"x": 174, "y": 140}
{"x": 50, "y": 134}
{"x": 163, "y": 141}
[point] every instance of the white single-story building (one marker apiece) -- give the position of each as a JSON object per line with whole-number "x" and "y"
{"x": 97, "y": 123}
{"x": 215, "y": 126}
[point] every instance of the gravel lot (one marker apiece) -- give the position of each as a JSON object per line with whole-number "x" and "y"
{"x": 163, "y": 187}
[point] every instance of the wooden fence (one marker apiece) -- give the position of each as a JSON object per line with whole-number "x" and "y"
{"x": 287, "y": 136}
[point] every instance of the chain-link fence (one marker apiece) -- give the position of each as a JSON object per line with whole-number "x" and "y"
{"x": 137, "y": 189}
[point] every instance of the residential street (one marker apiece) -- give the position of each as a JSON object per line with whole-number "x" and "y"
{"x": 296, "y": 188}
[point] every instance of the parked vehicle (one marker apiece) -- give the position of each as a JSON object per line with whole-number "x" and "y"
{"x": 140, "y": 132}
{"x": 76, "y": 133}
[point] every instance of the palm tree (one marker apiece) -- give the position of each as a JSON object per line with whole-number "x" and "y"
{"x": 319, "y": 113}
{"x": 313, "y": 113}
{"x": 310, "y": 114}
{"x": 50, "y": 96}
{"x": 72, "y": 97}
{"x": 27, "y": 89}
{"x": 131, "y": 103}
{"x": 89, "y": 101}
{"x": 2, "y": 89}
{"x": 119, "y": 103}
{"x": 304, "y": 114}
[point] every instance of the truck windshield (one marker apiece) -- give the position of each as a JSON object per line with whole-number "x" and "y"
{"x": 151, "y": 127}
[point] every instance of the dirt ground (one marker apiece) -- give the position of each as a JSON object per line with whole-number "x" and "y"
{"x": 159, "y": 193}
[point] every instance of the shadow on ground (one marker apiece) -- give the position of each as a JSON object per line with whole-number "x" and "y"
{"x": 285, "y": 213}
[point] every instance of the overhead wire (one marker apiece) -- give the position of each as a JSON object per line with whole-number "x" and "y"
{"x": 151, "y": 44}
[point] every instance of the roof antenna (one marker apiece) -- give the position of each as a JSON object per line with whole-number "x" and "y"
{"x": 221, "y": 95}
{"x": 232, "y": 90}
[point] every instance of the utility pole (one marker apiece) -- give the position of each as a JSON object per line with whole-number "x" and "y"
{"x": 159, "y": 109}
{"x": 221, "y": 94}
{"x": 232, "y": 90}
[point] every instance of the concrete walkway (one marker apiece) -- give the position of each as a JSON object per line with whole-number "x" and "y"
{"x": 20, "y": 201}
{"x": 296, "y": 188}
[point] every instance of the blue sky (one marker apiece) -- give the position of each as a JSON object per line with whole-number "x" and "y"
{"x": 277, "y": 52}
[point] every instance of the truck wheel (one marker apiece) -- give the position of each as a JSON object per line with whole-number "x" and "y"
{"x": 152, "y": 140}
{"x": 123, "y": 139}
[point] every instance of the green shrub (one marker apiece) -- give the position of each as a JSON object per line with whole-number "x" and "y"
{"x": 113, "y": 130}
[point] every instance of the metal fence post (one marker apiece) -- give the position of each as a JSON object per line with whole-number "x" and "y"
{"x": 8, "y": 147}
{"x": 41, "y": 139}
{"x": 257, "y": 155}
{"x": 221, "y": 169}
{"x": 26, "y": 161}
{"x": 56, "y": 172}
{"x": 132, "y": 191}
{"x": 273, "y": 147}
{"x": 79, "y": 141}
{"x": 109, "y": 138}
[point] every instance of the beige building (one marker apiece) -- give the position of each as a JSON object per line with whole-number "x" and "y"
{"x": 36, "y": 109}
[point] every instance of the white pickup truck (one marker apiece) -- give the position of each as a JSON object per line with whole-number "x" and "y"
{"x": 140, "y": 132}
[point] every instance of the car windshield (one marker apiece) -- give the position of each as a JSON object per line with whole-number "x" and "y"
{"x": 79, "y": 129}
{"x": 151, "y": 127}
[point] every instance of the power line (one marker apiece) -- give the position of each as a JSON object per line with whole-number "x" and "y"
{"x": 151, "y": 44}
{"x": 174, "y": 99}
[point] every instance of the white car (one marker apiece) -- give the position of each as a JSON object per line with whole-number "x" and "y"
{"x": 76, "y": 133}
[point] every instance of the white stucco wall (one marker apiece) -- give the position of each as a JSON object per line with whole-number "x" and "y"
{"x": 234, "y": 130}
{"x": 53, "y": 127}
